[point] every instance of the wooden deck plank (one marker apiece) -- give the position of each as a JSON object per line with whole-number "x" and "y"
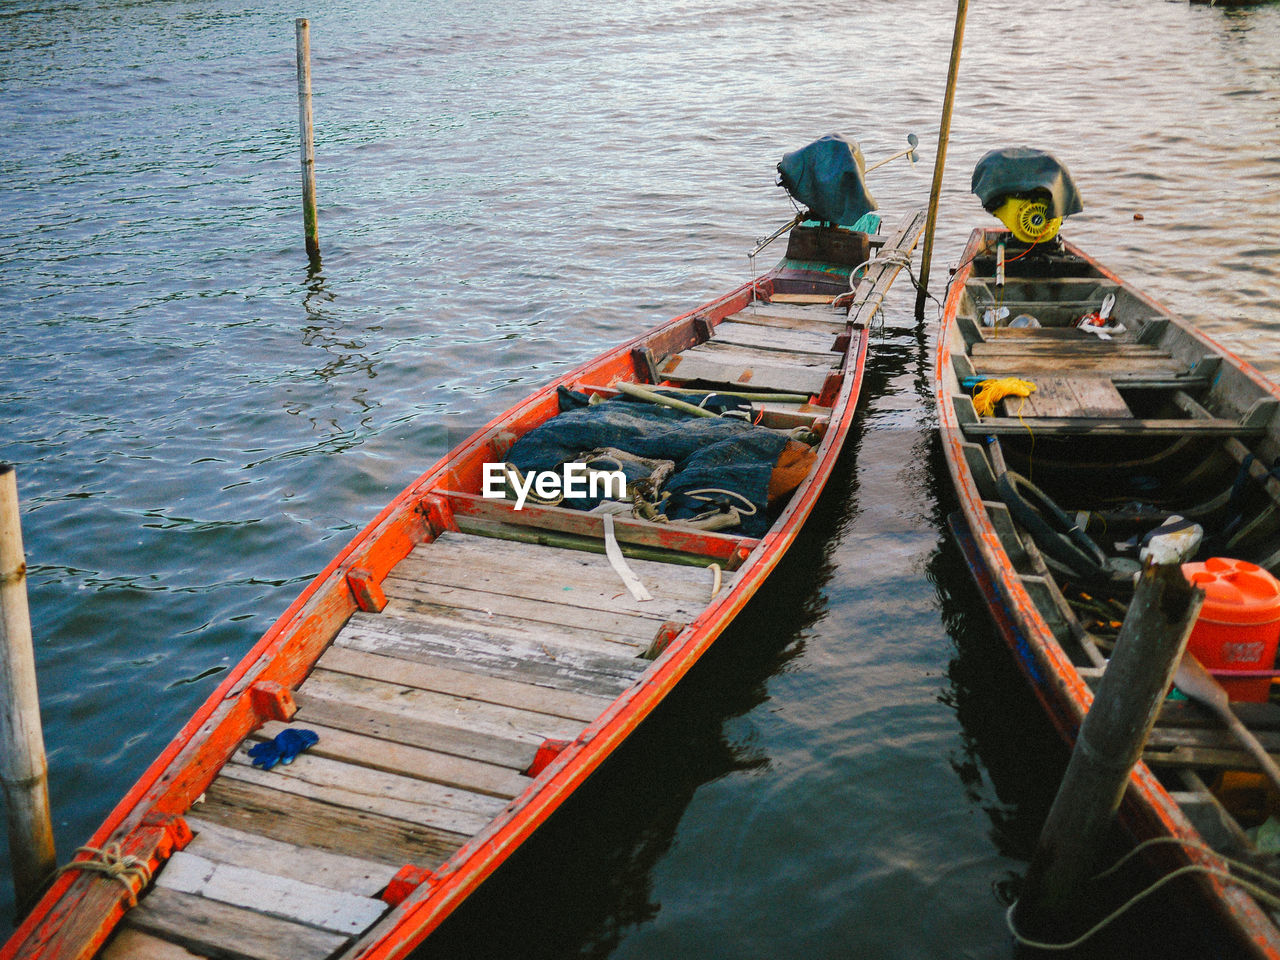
{"x": 473, "y": 686}
{"x": 496, "y": 649}
{"x": 670, "y": 579}
{"x": 884, "y": 268}
{"x": 750, "y": 356}
{"x": 1090, "y": 347}
{"x": 449, "y": 738}
{"x": 223, "y": 844}
{"x": 286, "y": 898}
{"x": 376, "y": 791}
{"x": 783, "y": 378}
{"x": 1020, "y": 364}
{"x": 423, "y": 705}
{"x": 807, "y": 321}
{"x": 409, "y": 761}
{"x": 776, "y": 338}
{"x": 130, "y": 944}
{"x": 455, "y": 601}
{"x": 213, "y": 929}
{"x": 1090, "y": 426}
{"x": 353, "y": 833}
{"x": 1070, "y": 397}
{"x": 558, "y": 586}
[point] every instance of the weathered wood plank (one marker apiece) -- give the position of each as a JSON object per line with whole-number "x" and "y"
{"x": 408, "y": 761}
{"x": 473, "y": 686}
{"x": 506, "y": 751}
{"x": 1089, "y": 426}
{"x": 276, "y": 896}
{"x": 1071, "y": 397}
{"x": 1091, "y": 347}
{"x": 423, "y": 705}
{"x": 555, "y": 584}
{"x": 674, "y": 580}
{"x": 495, "y": 649}
{"x": 775, "y": 338}
{"x": 801, "y": 298}
{"x": 884, "y": 269}
{"x": 218, "y": 930}
{"x": 453, "y": 601}
{"x": 353, "y": 833}
{"x": 810, "y": 321}
{"x": 750, "y": 356}
{"x": 785, "y": 378}
{"x": 1020, "y": 364}
{"x": 376, "y": 791}
{"x": 224, "y": 844}
{"x": 129, "y": 944}
{"x": 667, "y": 543}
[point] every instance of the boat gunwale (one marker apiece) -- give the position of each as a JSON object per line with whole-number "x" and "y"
{"x": 1062, "y": 691}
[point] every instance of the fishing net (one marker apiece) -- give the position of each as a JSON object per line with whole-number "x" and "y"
{"x": 682, "y": 467}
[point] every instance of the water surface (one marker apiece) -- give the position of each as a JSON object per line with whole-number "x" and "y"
{"x": 200, "y": 422}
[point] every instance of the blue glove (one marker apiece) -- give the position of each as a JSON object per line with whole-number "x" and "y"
{"x": 283, "y": 748}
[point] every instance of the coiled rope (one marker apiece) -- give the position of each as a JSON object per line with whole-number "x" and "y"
{"x": 991, "y": 392}
{"x": 114, "y": 865}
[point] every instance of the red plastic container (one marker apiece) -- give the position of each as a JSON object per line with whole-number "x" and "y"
{"x": 1239, "y": 625}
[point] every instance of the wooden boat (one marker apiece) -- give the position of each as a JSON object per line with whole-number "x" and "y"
{"x": 465, "y": 664}
{"x": 1120, "y": 434}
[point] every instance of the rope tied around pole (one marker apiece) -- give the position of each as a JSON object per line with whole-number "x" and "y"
{"x": 112, "y": 864}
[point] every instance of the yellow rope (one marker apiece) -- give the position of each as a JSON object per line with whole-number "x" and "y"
{"x": 991, "y": 392}
{"x": 112, "y": 864}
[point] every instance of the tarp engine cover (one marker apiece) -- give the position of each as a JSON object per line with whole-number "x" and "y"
{"x": 1025, "y": 171}
{"x": 827, "y": 177}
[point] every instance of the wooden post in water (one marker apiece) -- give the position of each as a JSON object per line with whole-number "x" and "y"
{"x": 23, "y": 769}
{"x": 1110, "y": 741}
{"x": 940, "y": 161}
{"x": 308, "y": 140}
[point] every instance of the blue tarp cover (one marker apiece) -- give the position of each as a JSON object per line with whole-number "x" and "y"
{"x": 709, "y": 452}
{"x": 826, "y": 176}
{"x": 1025, "y": 171}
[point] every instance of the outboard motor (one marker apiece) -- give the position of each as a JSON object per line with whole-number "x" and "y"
{"x": 1028, "y": 190}
{"x": 827, "y": 179}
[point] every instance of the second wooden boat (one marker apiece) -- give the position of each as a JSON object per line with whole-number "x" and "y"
{"x": 1093, "y": 445}
{"x": 480, "y": 648}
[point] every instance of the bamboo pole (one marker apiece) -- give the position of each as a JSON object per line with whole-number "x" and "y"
{"x": 308, "y": 140}
{"x": 940, "y": 161}
{"x": 23, "y": 768}
{"x": 1109, "y": 743}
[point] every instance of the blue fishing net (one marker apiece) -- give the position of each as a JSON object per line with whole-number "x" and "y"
{"x": 718, "y": 461}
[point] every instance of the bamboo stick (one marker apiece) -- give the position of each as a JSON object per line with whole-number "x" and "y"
{"x": 940, "y": 161}
{"x": 309, "y": 227}
{"x": 23, "y": 768}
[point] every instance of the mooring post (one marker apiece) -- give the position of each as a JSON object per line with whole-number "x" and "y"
{"x": 23, "y": 769}
{"x": 308, "y": 139}
{"x": 940, "y": 161}
{"x": 1109, "y": 743}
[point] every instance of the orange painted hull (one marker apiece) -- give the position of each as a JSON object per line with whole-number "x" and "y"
{"x": 78, "y": 913}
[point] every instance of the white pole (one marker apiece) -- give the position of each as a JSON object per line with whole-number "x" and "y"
{"x": 308, "y": 139}
{"x": 23, "y": 769}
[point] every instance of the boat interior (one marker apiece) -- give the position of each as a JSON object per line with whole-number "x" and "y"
{"x": 1121, "y": 434}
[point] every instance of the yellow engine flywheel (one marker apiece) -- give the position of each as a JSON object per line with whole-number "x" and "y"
{"x": 1028, "y": 220}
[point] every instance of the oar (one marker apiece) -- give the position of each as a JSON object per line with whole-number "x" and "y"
{"x": 1199, "y": 685}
